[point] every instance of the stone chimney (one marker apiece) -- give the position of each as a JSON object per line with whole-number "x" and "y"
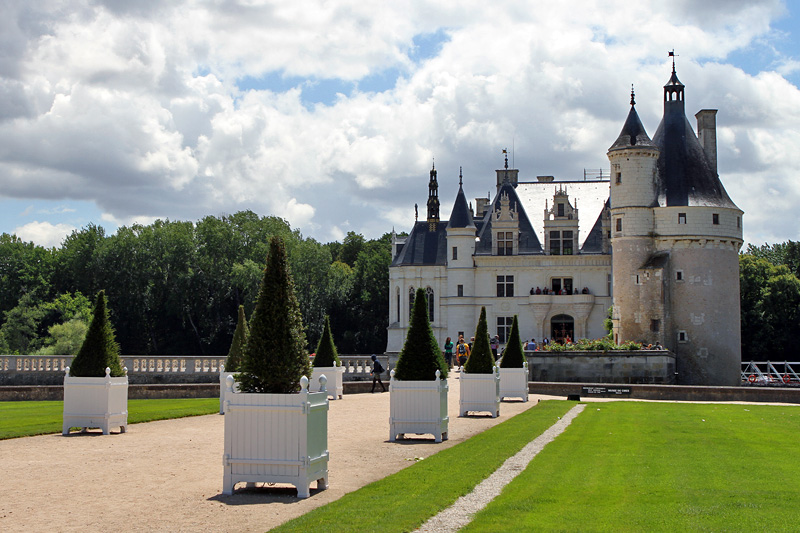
{"x": 707, "y": 134}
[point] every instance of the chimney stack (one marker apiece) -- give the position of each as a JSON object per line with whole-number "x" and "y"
{"x": 707, "y": 134}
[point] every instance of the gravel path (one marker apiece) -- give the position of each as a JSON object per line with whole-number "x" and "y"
{"x": 167, "y": 475}
{"x": 461, "y": 512}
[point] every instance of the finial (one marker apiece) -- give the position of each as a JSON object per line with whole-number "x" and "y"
{"x": 505, "y": 151}
{"x": 433, "y": 164}
{"x": 673, "y": 55}
{"x": 633, "y": 96}
{"x": 416, "y": 212}
{"x": 460, "y": 177}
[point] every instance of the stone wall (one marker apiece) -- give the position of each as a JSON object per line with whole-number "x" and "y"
{"x": 624, "y": 366}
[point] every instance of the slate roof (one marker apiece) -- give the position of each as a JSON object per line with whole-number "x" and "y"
{"x": 633, "y": 133}
{"x": 460, "y": 216}
{"x": 423, "y": 247}
{"x": 685, "y": 176}
{"x": 593, "y": 244}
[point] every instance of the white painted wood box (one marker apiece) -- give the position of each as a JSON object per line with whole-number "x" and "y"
{"x": 514, "y": 382}
{"x": 95, "y": 402}
{"x": 335, "y": 375}
{"x": 223, "y": 387}
{"x": 418, "y": 407}
{"x": 276, "y": 438}
{"x": 479, "y": 392}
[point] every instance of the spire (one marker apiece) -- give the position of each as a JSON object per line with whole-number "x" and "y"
{"x": 633, "y": 132}
{"x": 460, "y": 177}
{"x": 633, "y": 96}
{"x": 460, "y": 215}
{"x": 673, "y": 90}
{"x": 433, "y": 200}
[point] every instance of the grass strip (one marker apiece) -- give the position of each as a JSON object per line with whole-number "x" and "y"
{"x": 659, "y": 467}
{"x": 406, "y": 499}
{"x": 24, "y": 419}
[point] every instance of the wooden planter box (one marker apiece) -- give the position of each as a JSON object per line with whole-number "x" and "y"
{"x": 479, "y": 392}
{"x": 276, "y": 438}
{"x": 418, "y": 407}
{"x": 223, "y": 387}
{"x": 514, "y": 383}
{"x": 95, "y": 403}
{"x": 335, "y": 375}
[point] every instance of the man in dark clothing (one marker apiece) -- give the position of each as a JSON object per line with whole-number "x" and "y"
{"x": 377, "y": 370}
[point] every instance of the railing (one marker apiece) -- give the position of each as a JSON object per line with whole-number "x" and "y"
{"x": 772, "y": 373}
{"x": 355, "y": 366}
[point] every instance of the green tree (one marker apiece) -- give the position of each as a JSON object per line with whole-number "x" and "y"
{"x": 480, "y": 359}
{"x": 275, "y": 357}
{"x": 420, "y": 357}
{"x": 326, "y": 354}
{"x": 513, "y": 355}
{"x": 233, "y": 362}
{"x": 351, "y": 247}
{"x": 100, "y": 349}
{"x": 785, "y": 253}
{"x": 65, "y": 339}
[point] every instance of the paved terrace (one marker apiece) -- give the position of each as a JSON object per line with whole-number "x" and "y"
{"x": 167, "y": 475}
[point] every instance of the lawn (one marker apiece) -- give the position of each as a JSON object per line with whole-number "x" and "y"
{"x": 22, "y": 419}
{"x": 403, "y": 501}
{"x": 660, "y": 467}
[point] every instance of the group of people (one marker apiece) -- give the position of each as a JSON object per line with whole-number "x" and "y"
{"x": 548, "y": 290}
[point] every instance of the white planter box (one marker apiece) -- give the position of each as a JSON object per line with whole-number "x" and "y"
{"x": 335, "y": 375}
{"x": 418, "y": 407}
{"x": 95, "y": 403}
{"x": 479, "y": 392}
{"x": 514, "y": 382}
{"x": 276, "y": 438}
{"x": 223, "y": 387}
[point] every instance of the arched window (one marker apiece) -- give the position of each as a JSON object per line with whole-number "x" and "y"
{"x": 410, "y": 301}
{"x": 429, "y": 296}
{"x": 562, "y": 327}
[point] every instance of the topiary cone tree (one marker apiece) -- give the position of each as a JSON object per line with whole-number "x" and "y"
{"x": 420, "y": 357}
{"x": 513, "y": 356}
{"x": 326, "y": 351}
{"x": 481, "y": 360}
{"x": 99, "y": 349}
{"x": 275, "y": 355}
{"x": 233, "y": 362}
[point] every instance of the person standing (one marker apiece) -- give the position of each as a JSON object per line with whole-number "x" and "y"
{"x": 448, "y": 352}
{"x": 377, "y": 370}
{"x": 495, "y": 345}
{"x": 462, "y": 351}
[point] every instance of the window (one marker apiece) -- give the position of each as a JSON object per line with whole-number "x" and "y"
{"x": 561, "y": 210}
{"x": 505, "y": 286}
{"x": 655, "y": 325}
{"x": 559, "y": 284}
{"x": 410, "y": 301}
{"x": 429, "y": 296}
{"x": 619, "y": 224}
{"x": 608, "y": 283}
{"x": 715, "y": 219}
{"x": 560, "y": 243}
{"x": 619, "y": 177}
{"x": 505, "y": 243}
{"x": 504, "y": 328}
{"x": 679, "y": 275}
{"x": 681, "y": 218}
{"x": 637, "y": 279}
{"x": 682, "y": 337}
{"x": 738, "y": 222}
{"x": 398, "y": 303}
{"x": 455, "y": 253}
{"x": 460, "y": 290}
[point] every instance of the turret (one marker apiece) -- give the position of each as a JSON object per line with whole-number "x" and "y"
{"x": 433, "y": 201}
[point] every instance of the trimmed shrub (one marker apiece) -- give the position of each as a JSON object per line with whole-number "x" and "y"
{"x": 275, "y": 355}
{"x": 420, "y": 357}
{"x": 233, "y": 362}
{"x": 326, "y": 351}
{"x": 513, "y": 356}
{"x": 99, "y": 349}
{"x": 481, "y": 360}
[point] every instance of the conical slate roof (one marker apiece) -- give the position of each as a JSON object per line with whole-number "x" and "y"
{"x": 460, "y": 217}
{"x": 685, "y": 175}
{"x": 633, "y": 133}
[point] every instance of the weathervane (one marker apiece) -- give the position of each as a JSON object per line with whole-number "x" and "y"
{"x": 673, "y": 55}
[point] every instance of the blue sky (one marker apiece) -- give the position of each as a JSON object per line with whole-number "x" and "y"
{"x": 329, "y": 115}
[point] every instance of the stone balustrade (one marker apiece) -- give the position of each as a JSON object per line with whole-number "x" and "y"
{"x": 49, "y": 370}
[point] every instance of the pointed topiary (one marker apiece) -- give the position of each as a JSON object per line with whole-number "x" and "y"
{"x": 275, "y": 355}
{"x": 513, "y": 355}
{"x": 233, "y": 362}
{"x": 100, "y": 349}
{"x": 326, "y": 351}
{"x": 481, "y": 360}
{"x": 420, "y": 357}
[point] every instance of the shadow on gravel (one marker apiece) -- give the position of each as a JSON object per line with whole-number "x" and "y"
{"x": 260, "y": 494}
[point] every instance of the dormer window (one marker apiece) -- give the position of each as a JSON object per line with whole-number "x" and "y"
{"x": 561, "y": 210}
{"x": 561, "y": 243}
{"x": 505, "y": 243}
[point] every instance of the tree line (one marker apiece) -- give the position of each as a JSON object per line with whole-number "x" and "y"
{"x": 174, "y": 287}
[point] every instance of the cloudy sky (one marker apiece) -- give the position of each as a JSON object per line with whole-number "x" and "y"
{"x": 329, "y": 113}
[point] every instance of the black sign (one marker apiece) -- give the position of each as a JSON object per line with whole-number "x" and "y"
{"x": 605, "y": 391}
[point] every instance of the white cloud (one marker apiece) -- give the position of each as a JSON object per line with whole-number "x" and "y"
{"x": 44, "y": 233}
{"x": 137, "y": 107}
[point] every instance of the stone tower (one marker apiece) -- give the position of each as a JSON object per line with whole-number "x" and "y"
{"x": 433, "y": 201}
{"x": 675, "y": 239}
